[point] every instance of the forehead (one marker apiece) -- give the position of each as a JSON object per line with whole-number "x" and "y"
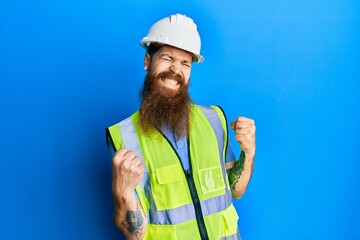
{"x": 175, "y": 52}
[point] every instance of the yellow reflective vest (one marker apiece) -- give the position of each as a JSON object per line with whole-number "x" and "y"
{"x": 178, "y": 204}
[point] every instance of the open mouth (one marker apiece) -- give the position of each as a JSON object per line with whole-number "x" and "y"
{"x": 170, "y": 83}
{"x": 170, "y": 80}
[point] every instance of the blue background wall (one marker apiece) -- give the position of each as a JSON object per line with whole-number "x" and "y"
{"x": 68, "y": 69}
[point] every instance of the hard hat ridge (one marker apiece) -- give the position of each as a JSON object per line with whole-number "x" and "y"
{"x": 182, "y": 20}
{"x": 178, "y": 31}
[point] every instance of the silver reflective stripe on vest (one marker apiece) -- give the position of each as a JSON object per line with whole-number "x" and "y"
{"x": 170, "y": 216}
{"x": 216, "y": 204}
{"x": 130, "y": 139}
{"x": 232, "y": 237}
{"x": 187, "y": 212}
{"x": 215, "y": 122}
{"x": 131, "y": 142}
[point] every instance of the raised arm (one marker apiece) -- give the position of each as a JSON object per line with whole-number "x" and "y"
{"x": 127, "y": 173}
{"x": 240, "y": 171}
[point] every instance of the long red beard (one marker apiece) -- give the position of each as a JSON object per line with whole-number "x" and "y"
{"x": 162, "y": 107}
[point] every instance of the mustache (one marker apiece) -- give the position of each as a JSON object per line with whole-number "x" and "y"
{"x": 168, "y": 74}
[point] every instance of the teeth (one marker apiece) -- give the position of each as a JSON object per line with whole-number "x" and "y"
{"x": 171, "y": 82}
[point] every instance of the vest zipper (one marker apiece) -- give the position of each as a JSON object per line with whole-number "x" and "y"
{"x": 194, "y": 196}
{"x": 197, "y": 206}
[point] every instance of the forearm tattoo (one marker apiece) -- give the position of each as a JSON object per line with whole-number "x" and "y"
{"x": 234, "y": 173}
{"x": 134, "y": 222}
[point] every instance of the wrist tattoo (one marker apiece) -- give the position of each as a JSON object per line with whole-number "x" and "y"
{"x": 134, "y": 222}
{"x": 234, "y": 173}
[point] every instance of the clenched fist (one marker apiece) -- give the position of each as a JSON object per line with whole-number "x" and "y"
{"x": 245, "y": 134}
{"x": 127, "y": 171}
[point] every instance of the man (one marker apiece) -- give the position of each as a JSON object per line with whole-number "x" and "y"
{"x": 174, "y": 173}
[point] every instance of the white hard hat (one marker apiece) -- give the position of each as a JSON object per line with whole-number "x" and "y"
{"x": 178, "y": 31}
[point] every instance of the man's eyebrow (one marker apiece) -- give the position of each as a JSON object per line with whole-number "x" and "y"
{"x": 165, "y": 54}
{"x": 170, "y": 55}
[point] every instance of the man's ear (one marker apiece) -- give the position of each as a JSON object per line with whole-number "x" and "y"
{"x": 146, "y": 61}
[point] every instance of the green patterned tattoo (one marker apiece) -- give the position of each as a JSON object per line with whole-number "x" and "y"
{"x": 234, "y": 173}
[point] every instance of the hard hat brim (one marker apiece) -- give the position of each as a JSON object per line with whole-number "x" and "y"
{"x": 145, "y": 43}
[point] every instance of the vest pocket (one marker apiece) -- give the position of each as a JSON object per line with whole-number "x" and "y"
{"x": 156, "y": 232}
{"x": 211, "y": 180}
{"x": 167, "y": 183}
{"x": 230, "y": 219}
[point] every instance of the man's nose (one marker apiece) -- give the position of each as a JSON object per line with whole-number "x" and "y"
{"x": 175, "y": 66}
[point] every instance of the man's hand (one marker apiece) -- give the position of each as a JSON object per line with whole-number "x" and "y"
{"x": 239, "y": 172}
{"x": 245, "y": 134}
{"x": 128, "y": 171}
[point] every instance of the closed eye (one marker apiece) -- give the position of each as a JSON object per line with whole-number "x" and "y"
{"x": 186, "y": 64}
{"x": 166, "y": 58}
